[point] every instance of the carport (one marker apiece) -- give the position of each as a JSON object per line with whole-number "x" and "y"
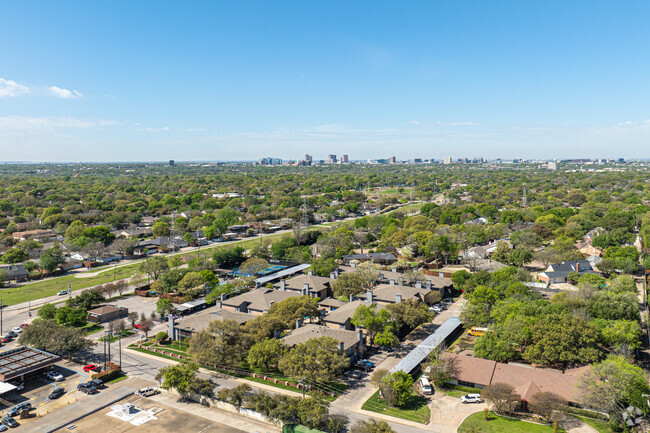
{"x": 20, "y": 361}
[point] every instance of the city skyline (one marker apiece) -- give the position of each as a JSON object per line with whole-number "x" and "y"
{"x": 86, "y": 82}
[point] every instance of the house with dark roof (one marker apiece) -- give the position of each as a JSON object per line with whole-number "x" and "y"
{"x": 341, "y": 317}
{"x": 330, "y": 304}
{"x": 352, "y": 343}
{"x": 15, "y": 272}
{"x": 379, "y": 258}
{"x": 311, "y": 285}
{"x": 186, "y": 327}
{"x": 558, "y": 273}
{"x": 107, "y": 313}
{"x": 384, "y": 294}
{"x": 257, "y": 301}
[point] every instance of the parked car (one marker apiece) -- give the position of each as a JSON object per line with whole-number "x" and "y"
{"x": 146, "y": 392}
{"x": 10, "y": 422}
{"x": 90, "y": 367}
{"x": 56, "y": 394}
{"x": 7, "y": 339}
{"x": 55, "y": 376}
{"x": 387, "y": 349}
{"x": 471, "y": 398}
{"x": 3, "y": 427}
{"x": 447, "y": 301}
{"x": 62, "y": 292}
{"x": 17, "y": 329}
{"x": 98, "y": 383}
{"x": 12, "y": 334}
{"x": 24, "y": 325}
{"x": 87, "y": 388}
{"x": 19, "y": 408}
{"x": 436, "y": 309}
{"x": 353, "y": 374}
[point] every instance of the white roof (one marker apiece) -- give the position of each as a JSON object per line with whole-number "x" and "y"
{"x": 6, "y": 387}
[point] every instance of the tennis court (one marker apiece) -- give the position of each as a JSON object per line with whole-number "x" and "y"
{"x": 271, "y": 269}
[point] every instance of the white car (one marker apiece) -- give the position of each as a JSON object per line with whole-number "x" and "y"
{"x": 62, "y": 292}
{"x": 55, "y": 376}
{"x": 471, "y": 398}
{"x": 17, "y": 329}
{"x": 146, "y": 392}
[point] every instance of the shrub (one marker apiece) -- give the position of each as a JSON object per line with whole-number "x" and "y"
{"x": 161, "y": 337}
{"x": 112, "y": 371}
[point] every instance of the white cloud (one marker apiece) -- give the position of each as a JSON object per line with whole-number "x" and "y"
{"x": 11, "y": 88}
{"x": 163, "y": 129}
{"x": 64, "y": 93}
{"x": 24, "y": 122}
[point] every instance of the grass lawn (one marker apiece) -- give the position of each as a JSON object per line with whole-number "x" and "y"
{"x": 458, "y": 391}
{"x": 416, "y": 410}
{"x": 114, "y": 338}
{"x": 118, "y": 379}
{"x": 498, "y": 424}
{"x": 91, "y": 328}
{"x": 601, "y": 426}
{"x": 50, "y": 287}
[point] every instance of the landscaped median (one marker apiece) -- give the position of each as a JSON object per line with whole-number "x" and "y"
{"x": 180, "y": 354}
{"x": 416, "y": 409}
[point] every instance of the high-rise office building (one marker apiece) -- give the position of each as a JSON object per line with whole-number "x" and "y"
{"x": 344, "y": 159}
{"x": 392, "y": 160}
{"x": 308, "y": 158}
{"x": 331, "y": 159}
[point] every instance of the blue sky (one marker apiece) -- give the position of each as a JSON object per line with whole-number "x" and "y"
{"x": 214, "y": 80}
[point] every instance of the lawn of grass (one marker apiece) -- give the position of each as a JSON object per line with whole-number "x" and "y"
{"x": 114, "y": 338}
{"x": 50, "y": 287}
{"x": 458, "y": 391}
{"x": 416, "y": 410}
{"x": 498, "y": 424}
{"x": 92, "y": 328}
{"x": 118, "y": 379}
{"x": 601, "y": 426}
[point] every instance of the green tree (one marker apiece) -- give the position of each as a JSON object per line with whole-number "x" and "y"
{"x": 164, "y": 306}
{"x": 191, "y": 284}
{"x": 221, "y": 343}
{"x": 619, "y": 333}
{"x": 317, "y": 359}
{"x": 312, "y": 412}
{"x": 86, "y": 299}
{"x": 371, "y": 319}
{"x": 70, "y": 316}
{"x": 253, "y": 266}
{"x": 371, "y": 426}
{"x": 51, "y": 258}
{"x": 396, "y": 388}
{"x": 14, "y": 255}
{"x": 266, "y": 353}
{"x": 177, "y": 377}
{"x": 323, "y": 267}
{"x": 154, "y": 267}
{"x": 47, "y": 311}
{"x": 50, "y": 336}
{"x": 562, "y": 340}
{"x": 161, "y": 229}
{"x": 503, "y": 397}
{"x": 409, "y": 314}
{"x": 612, "y": 385}
{"x": 295, "y": 308}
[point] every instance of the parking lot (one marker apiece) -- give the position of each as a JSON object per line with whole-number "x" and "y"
{"x": 168, "y": 420}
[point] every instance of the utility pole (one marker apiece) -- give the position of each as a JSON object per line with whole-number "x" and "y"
{"x": 29, "y": 301}
{"x": 119, "y": 340}
{"x": 1, "y": 308}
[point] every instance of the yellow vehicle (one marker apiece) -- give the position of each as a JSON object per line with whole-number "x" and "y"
{"x": 476, "y": 331}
